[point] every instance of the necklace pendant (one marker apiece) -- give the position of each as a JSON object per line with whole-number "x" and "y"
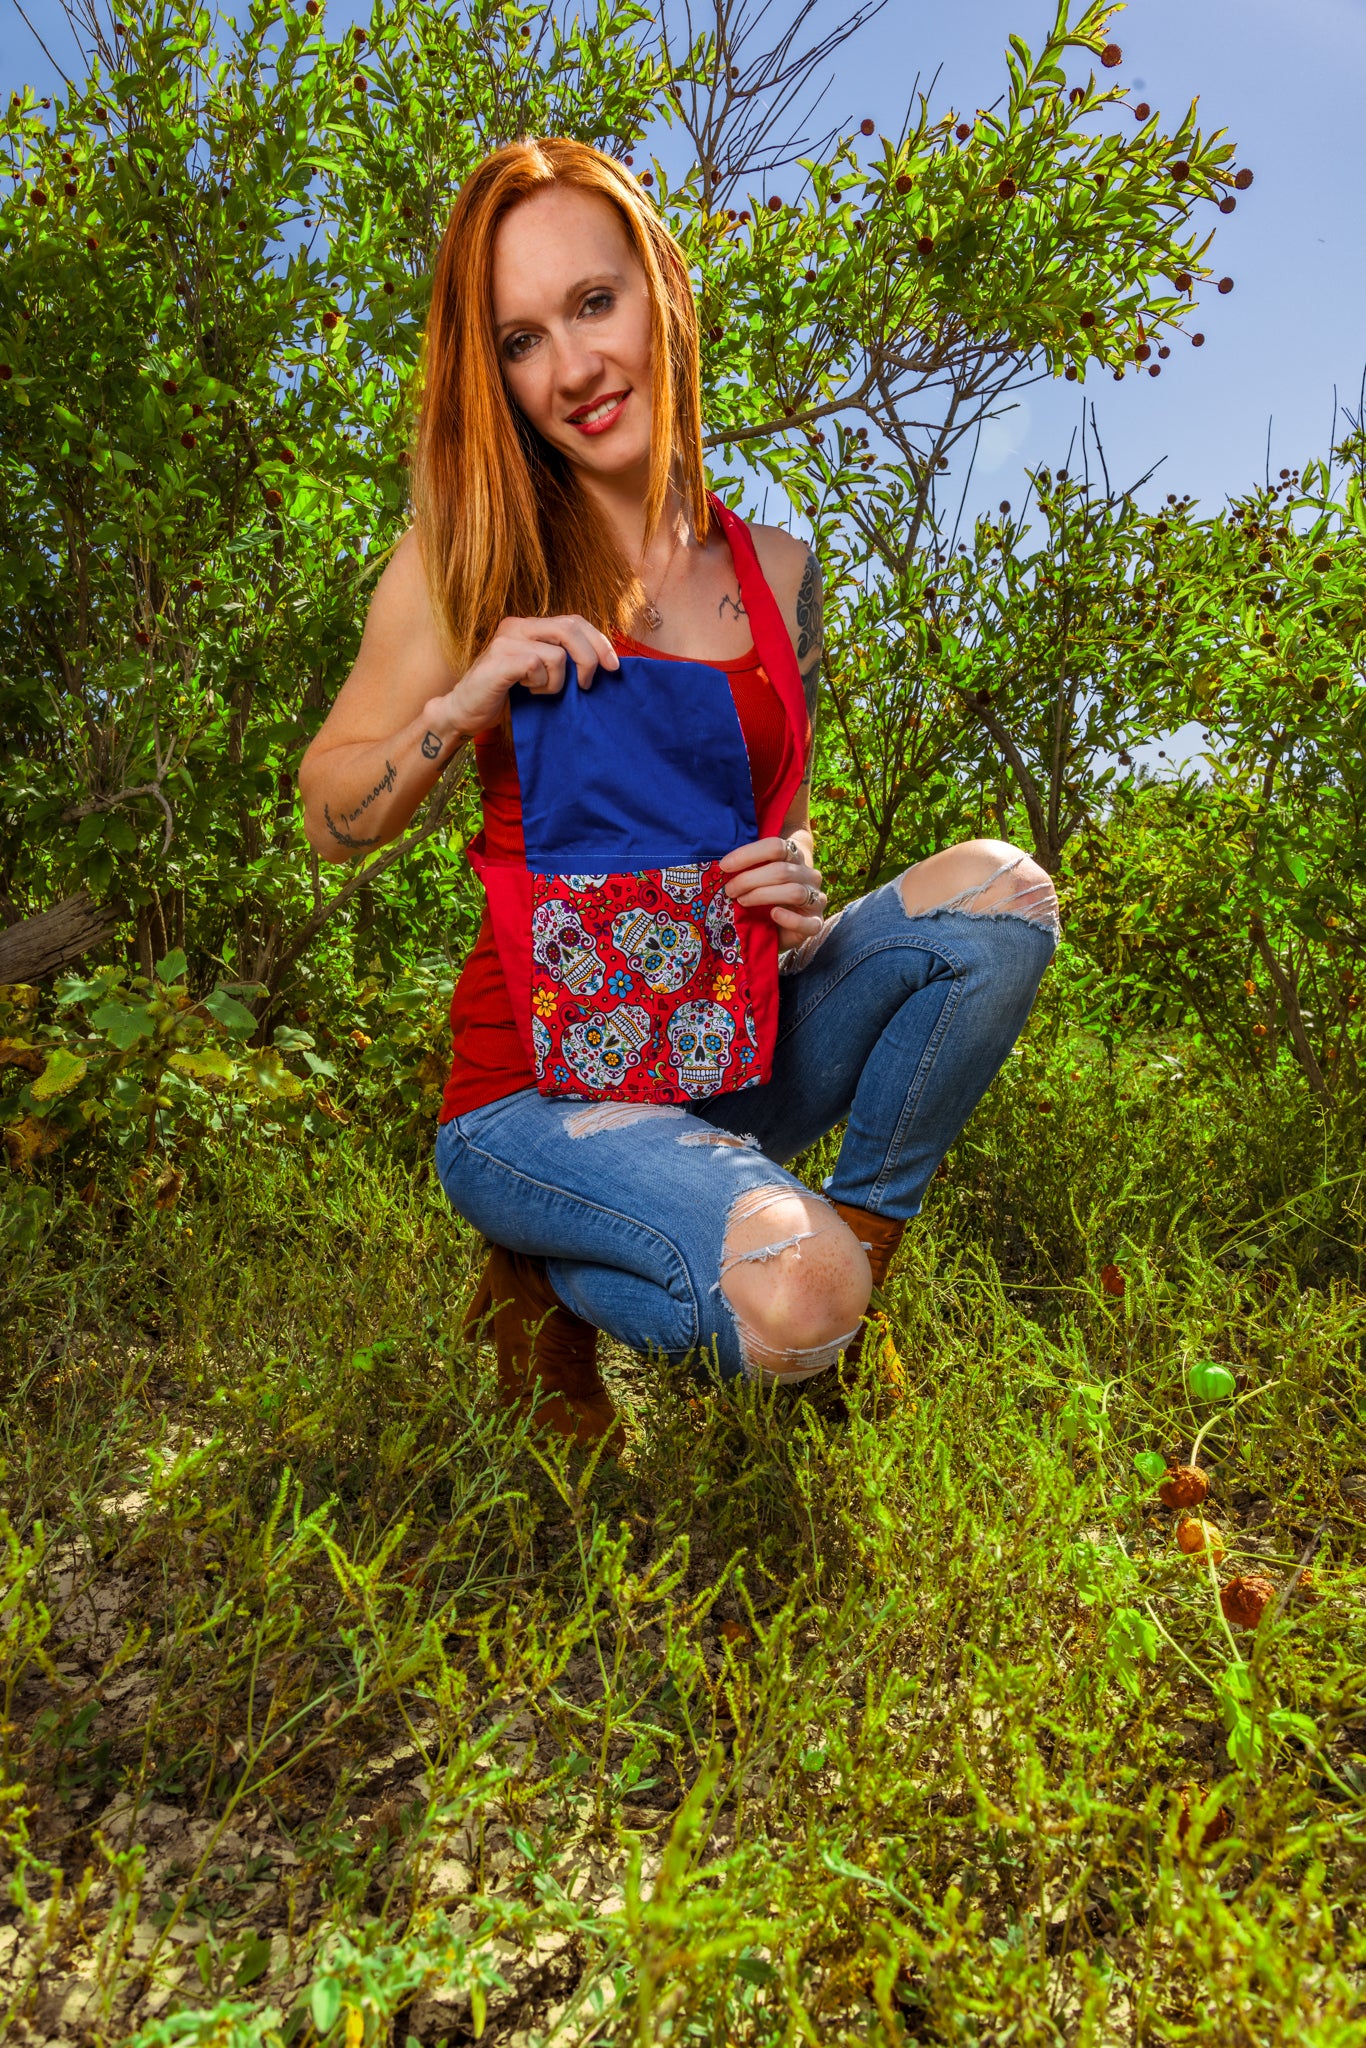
{"x": 653, "y": 616}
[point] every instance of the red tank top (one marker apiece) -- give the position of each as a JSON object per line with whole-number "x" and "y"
{"x": 488, "y": 1057}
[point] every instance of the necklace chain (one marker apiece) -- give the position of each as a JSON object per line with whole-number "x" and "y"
{"x": 653, "y": 616}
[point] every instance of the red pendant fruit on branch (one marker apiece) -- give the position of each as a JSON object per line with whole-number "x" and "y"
{"x": 1245, "y": 1599}
{"x": 1185, "y": 1486}
{"x": 1111, "y": 55}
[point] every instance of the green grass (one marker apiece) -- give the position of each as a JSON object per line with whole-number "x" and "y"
{"x": 335, "y": 1707}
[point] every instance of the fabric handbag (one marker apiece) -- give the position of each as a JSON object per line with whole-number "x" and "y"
{"x": 632, "y": 975}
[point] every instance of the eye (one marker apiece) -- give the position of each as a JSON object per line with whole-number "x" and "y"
{"x": 516, "y": 346}
{"x": 599, "y": 302}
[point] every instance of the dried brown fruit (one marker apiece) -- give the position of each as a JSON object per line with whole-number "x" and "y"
{"x": 1185, "y": 1486}
{"x": 1243, "y": 179}
{"x": 1142, "y": 111}
{"x": 1322, "y": 562}
{"x": 1183, "y": 280}
{"x": 962, "y": 131}
{"x": 1245, "y": 1599}
{"x": 1076, "y": 96}
{"x": 775, "y": 205}
{"x": 1164, "y": 352}
{"x": 1195, "y": 1537}
{"x": 274, "y": 498}
{"x": 735, "y": 1633}
{"x": 866, "y": 127}
{"x": 1088, "y": 319}
{"x": 1197, "y": 341}
{"x": 5, "y": 373}
{"x": 1006, "y": 188}
{"x": 1070, "y": 373}
{"x": 1228, "y": 203}
{"x": 1111, "y": 55}
{"x": 1180, "y": 169}
{"x": 1154, "y": 369}
{"x": 925, "y": 245}
{"x": 1226, "y": 285}
{"x": 330, "y": 319}
{"x": 905, "y": 184}
{"x": 1112, "y": 1280}
{"x": 188, "y": 440}
{"x": 1142, "y": 352}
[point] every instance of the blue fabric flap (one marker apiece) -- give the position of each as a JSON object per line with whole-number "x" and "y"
{"x": 647, "y": 769}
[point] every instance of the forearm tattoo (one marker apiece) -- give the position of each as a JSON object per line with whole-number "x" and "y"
{"x": 342, "y": 832}
{"x": 432, "y": 744}
{"x": 810, "y": 642}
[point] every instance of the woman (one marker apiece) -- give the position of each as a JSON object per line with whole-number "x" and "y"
{"x": 567, "y": 565}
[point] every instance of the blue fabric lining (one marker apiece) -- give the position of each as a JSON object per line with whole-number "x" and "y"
{"x": 647, "y": 769}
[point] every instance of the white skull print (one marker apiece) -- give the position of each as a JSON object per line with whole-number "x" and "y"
{"x": 605, "y": 1045}
{"x": 585, "y": 881}
{"x": 700, "y": 1036}
{"x": 721, "y": 932}
{"x": 664, "y": 951}
{"x": 541, "y": 1042}
{"x": 682, "y": 883}
{"x": 560, "y": 944}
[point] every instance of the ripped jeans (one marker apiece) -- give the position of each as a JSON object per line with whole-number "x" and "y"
{"x": 892, "y": 1021}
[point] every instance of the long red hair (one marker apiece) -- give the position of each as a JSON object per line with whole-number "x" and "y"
{"x": 504, "y": 528}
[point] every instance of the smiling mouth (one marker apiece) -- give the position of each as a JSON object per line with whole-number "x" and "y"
{"x": 593, "y": 418}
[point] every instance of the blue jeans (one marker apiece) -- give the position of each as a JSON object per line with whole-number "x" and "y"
{"x": 897, "y": 1023}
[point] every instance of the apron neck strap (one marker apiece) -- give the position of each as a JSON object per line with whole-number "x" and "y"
{"x": 773, "y": 644}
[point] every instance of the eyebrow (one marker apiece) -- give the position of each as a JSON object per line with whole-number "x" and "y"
{"x": 584, "y": 284}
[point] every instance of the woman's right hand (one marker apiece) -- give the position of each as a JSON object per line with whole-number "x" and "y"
{"x": 529, "y": 651}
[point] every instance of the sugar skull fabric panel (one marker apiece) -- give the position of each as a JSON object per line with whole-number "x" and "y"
{"x": 639, "y": 991}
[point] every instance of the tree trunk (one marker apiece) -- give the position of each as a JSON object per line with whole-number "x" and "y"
{"x": 43, "y": 945}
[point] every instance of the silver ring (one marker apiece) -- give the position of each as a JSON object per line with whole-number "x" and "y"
{"x": 812, "y": 895}
{"x": 794, "y": 852}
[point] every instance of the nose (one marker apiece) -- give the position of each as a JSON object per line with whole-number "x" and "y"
{"x": 578, "y": 365}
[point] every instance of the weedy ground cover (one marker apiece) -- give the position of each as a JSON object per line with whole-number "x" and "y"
{"x": 337, "y": 1709}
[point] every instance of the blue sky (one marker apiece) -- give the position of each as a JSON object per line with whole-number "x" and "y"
{"x": 1285, "y": 78}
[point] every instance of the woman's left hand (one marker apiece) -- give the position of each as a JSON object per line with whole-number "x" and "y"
{"x": 778, "y": 872}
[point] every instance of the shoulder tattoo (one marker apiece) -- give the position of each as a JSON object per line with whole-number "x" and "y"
{"x": 810, "y": 635}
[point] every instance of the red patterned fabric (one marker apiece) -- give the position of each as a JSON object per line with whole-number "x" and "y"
{"x": 662, "y": 945}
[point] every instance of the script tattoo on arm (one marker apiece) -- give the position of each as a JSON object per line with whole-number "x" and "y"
{"x": 810, "y": 643}
{"x": 342, "y": 832}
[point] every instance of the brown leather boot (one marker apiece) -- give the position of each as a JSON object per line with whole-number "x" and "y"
{"x": 880, "y": 1237}
{"x": 536, "y": 1338}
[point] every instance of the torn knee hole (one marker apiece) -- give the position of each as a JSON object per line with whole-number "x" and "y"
{"x": 745, "y": 1142}
{"x": 596, "y": 1117}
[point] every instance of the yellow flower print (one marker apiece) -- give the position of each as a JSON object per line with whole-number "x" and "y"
{"x": 543, "y": 1002}
{"x": 723, "y": 988}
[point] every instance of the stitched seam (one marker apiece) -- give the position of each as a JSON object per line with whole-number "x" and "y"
{"x": 599, "y": 1209}
{"x": 910, "y": 1106}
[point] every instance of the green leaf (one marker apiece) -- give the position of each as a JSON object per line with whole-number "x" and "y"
{"x": 325, "y": 2004}
{"x": 212, "y": 1064}
{"x": 235, "y": 1017}
{"x": 172, "y": 967}
{"x": 254, "y": 1962}
{"x": 123, "y": 1023}
{"x": 754, "y": 1970}
{"x": 267, "y": 1075}
{"x": 63, "y": 1070}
